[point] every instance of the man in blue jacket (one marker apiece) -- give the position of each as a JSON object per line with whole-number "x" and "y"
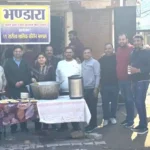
{"x": 140, "y": 69}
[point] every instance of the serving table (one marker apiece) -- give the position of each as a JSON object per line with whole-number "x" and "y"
{"x": 61, "y": 110}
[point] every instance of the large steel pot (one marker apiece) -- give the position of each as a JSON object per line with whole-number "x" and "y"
{"x": 45, "y": 90}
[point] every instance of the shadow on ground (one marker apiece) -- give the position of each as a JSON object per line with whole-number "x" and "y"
{"x": 118, "y": 137}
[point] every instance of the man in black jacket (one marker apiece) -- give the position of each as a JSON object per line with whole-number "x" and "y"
{"x": 109, "y": 85}
{"x": 18, "y": 76}
{"x": 140, "y": 69}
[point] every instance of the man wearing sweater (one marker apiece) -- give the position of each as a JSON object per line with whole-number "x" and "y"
{"x": 140, "y": 69}
{"x": 109, "y": 85}
{"x": 65, "y": 69}
{"x": 18, "y": 76}
{"x": 122, "y": 57}
{"x": 91, "y": 79}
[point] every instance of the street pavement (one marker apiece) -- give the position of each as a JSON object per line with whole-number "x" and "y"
{"x": 114, "y": 137}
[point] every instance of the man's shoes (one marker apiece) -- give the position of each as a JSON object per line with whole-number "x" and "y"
{"x": 105, "y": 123}
{"x": 140, "y": 130}
{"x": 0, "y": 135}
{"x": 62, "y": 129}
{"x": 24, "y": 130}
{"x": 13, "y": 131}
{"x": 13, "y": 128}
{"x": 54, "y": 128}
{"x": 76, "y": 129}
{"x": 113, "y": 120}
{"x": 90, "y": 129}
{"x": 129, "y": 125}
{"x": 124, "y": 123}
{"x": 45, "y": 128}
{"x": 87, "y": 127}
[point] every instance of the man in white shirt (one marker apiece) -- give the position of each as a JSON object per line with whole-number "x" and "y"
{"x": 65, "y": 69}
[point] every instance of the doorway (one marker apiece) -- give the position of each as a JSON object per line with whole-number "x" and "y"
{"x": 57, "y": 34}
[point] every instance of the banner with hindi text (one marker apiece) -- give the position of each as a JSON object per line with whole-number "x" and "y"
{"x": 24, "y": 24}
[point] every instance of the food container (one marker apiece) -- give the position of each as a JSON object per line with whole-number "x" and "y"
{"x": 75, "y": 87}
{"x": 45, "y": 90}
{"x": 24, "y": 95}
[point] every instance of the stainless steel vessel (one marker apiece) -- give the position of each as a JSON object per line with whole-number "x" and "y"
{"x": 45, "y": 90}
{"x": 75, "y": 87}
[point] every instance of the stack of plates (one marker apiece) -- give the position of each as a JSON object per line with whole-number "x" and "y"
{"x": 6, "y": 101}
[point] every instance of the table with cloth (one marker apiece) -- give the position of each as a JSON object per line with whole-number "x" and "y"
{"x": 60, "y": 110}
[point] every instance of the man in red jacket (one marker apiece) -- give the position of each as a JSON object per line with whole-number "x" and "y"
{"x": 123, "y": 56}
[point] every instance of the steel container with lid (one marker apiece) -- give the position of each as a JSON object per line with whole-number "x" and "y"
{"x": 75, "y": 87}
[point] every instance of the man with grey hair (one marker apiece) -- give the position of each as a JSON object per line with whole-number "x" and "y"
{"x": 91, "y": 80}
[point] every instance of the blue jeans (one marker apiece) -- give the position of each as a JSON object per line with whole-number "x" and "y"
{"x": 109, "y": 93}
{"x": 127, "y": 94}
{"x": 139, "y": 91}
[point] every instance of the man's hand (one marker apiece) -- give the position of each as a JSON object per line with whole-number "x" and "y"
{"x": 34, "y": 80}
{"x": 78, "y": 60}
{"x": 135, "y": 70}
{"x": 96, "y": 91}
{"x": 102, "y": 55}
{"x": 21, "y": 83}
{"x": 17, "y": 84}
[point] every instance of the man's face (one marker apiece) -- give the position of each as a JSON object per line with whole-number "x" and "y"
{"x": 71, "y": 37}
{"x": 18, "y": 53}
{"x": 49, "y": 51}
{"x": 123, "y": 41}
{"x": 68, "y": 54}
{"x": 108, "y": 49}
{"x": 138, "y": 42}
{"x": 87, "y": 54}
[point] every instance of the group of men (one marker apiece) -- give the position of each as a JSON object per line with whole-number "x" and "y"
{"x": 19, "y": 66}
{"x": 108, "y": 76}
{"x": 126, "y": 70}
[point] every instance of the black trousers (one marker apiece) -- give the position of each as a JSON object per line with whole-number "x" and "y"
{"x": 23, "y": 127}
{"x": 91, "y": 101}
{"x": 39, "y": 126}
{"x": 75, "y": 125}
{"x": 109, "y": 93}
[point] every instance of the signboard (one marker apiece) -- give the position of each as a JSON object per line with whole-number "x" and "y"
{"x": 24, "y": 24}
{"x": 143, "y": 15}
